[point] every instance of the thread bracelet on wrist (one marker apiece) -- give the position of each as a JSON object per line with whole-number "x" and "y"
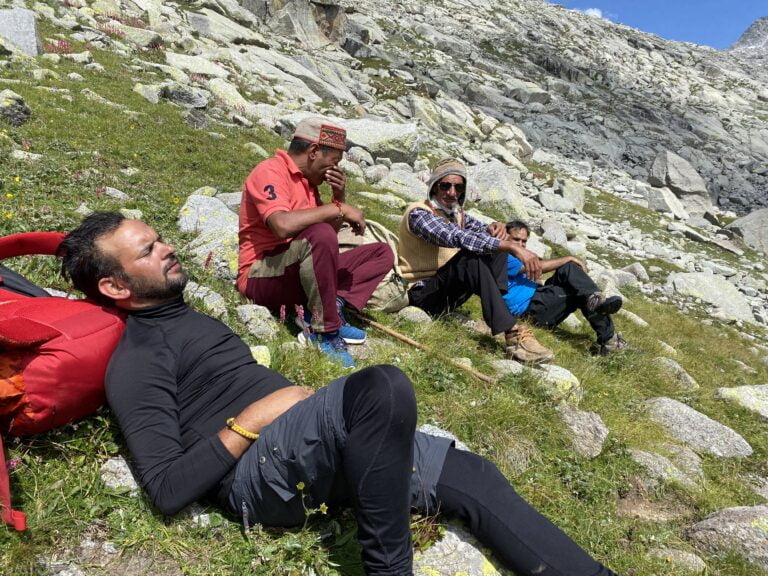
{"x": 247, "y": 434}
{"x": 341, "y": 212}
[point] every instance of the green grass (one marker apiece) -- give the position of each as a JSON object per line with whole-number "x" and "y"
{"x": 86, "y": 145}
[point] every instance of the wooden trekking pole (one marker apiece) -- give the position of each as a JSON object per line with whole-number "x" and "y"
{"x": 402, "y": 337}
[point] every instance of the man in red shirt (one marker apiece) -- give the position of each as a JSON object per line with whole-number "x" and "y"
{"x": 289, "y": 252}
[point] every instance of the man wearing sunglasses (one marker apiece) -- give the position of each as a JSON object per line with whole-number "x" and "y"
{"x": 447, "y": 255}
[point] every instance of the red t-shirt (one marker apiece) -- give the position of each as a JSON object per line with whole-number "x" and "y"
{"x": 274, "y": 185}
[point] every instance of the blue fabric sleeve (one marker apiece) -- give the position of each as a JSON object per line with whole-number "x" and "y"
{"x": 520, "y": 290}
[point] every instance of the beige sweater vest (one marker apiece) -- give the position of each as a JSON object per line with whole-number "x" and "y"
{"x": 420, "y": 259}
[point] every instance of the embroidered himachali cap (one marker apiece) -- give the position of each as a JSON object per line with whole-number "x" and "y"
{"x": 318, "y": 131}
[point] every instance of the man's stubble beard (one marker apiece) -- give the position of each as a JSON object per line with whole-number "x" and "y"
{"x": 170, "y": 289}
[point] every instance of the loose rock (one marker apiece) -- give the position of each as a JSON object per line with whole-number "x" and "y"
{"x": 697, "y": 430}
{"x": 743, "y": 529}
{"x": 588, "y": 433}
{"x": 753, "y": 398}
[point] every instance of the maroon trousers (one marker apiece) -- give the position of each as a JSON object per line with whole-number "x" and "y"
{"x": 310, "y": 271}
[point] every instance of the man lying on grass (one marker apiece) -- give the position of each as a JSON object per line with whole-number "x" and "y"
{"x": 203, "y": 420}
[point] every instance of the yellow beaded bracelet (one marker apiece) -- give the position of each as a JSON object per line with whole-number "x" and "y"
{"x": 242, "y": 431}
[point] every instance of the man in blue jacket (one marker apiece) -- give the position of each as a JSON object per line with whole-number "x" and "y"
{"x": 567, "y": 290}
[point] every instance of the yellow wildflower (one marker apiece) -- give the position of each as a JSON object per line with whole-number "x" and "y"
{"x": 17, "y": 179}
{"x": 300, "y": 486}
{"x": 9, "y": 196}
{"x": 323, "y": 508}
{"x": 9, "y": 215}
{"x": 175, "y": 200}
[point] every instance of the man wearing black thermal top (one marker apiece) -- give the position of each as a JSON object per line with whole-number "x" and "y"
{"x": 202, "y": 419}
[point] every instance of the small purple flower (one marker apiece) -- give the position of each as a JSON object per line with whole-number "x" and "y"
{"x": 300, "y": 314}
{"x": 13, "y": 463}
{"x": 282, "y": 314}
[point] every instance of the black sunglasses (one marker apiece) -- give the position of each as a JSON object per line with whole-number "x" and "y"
{"x": 445, "y": 186}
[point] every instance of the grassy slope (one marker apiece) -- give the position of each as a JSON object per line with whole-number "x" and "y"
{"x": 85, "y": 145}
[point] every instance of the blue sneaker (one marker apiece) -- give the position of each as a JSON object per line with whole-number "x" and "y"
{"x": 350, "y": 334}
{"x": 333, "y": 346}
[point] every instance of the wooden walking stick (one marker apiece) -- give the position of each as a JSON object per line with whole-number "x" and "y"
{"x": 402, "y": 337}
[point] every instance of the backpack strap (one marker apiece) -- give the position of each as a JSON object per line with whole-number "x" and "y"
{"x": 383, "y": 234}
{"x": 16, "y": 283}
{"x": 10, "y": 516}
{"x": 30, "y": 243}
{"x": 23, "y": 244}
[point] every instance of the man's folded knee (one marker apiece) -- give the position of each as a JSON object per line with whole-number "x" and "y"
{"x": 570, "y": 267}
{"x": 385, "y": 251}
{"x": 388, "y": 377}
{"x": 383, "y": 384}
{"x": 320, "y": 233}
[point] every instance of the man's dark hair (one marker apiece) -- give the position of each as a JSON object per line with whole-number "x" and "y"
{"x": 81, "y": 260}
{"x": 518, "y": 225}
{"x": 299, "y": 146}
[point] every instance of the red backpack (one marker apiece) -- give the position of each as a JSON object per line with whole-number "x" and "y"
{"x": 53, "y": 356}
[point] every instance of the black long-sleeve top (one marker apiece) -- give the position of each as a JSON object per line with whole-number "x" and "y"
{"x": 173, "y": 381}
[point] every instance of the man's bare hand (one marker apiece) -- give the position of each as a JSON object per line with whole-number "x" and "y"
{"x": 498, "y": 230}
{"x": 337, "y": 181}
{"x": 279, "y": 401}
{"x": 555, "y": 263}
{"x": 355, "y": 218}
{"x": 531, "y": 262}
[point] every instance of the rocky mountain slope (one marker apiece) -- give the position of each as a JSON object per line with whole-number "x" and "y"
{"x": 582, "y": 89}
{"x": 590, "y": 90}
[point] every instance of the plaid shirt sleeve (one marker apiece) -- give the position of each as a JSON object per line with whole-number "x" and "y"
{"x": 436, "y": 230}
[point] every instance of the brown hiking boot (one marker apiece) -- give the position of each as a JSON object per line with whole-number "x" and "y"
{"x": 523, "y": 346}
{"x": 605, "y": 306}
{"x": 614, "y": 344}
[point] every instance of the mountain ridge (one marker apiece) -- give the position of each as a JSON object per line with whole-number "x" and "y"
{"x": 753, "y": 43}
{"x": 582, "y": 89}
{"x": 651, "y": 94}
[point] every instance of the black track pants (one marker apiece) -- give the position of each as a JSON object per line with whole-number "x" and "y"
{"x": 465, "y": 274}
{"x": 474, "y": 490}
{"x": 563, "y": 293}
{"x": 379, "y": 409}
